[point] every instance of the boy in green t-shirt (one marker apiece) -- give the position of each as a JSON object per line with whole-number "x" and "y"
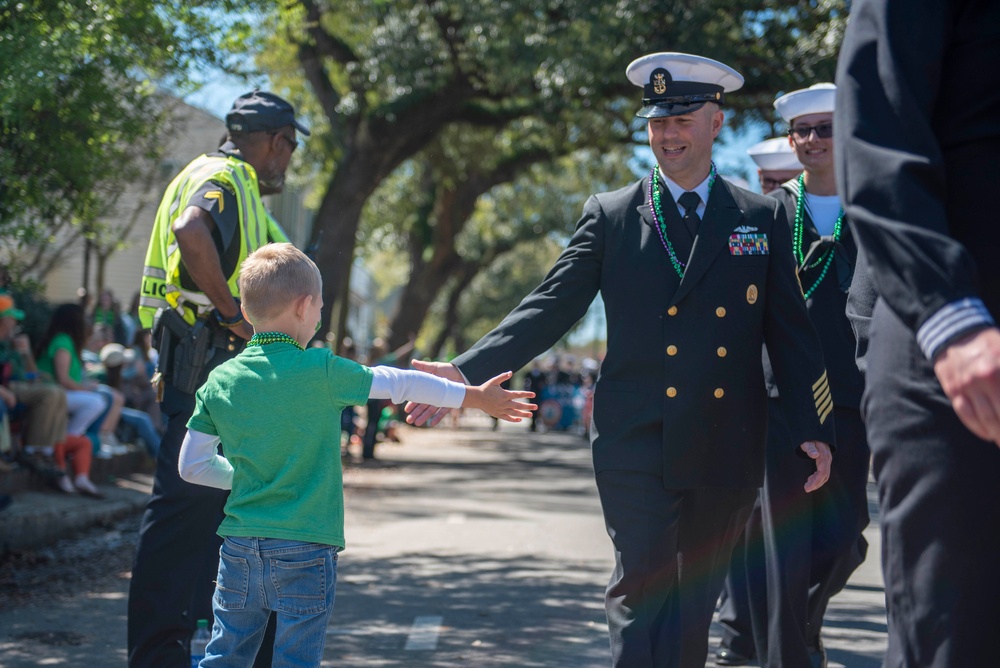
{"x": 276, "y": 410}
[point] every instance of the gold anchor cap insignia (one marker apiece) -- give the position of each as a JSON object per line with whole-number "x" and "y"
{"x": 659, "y": 83}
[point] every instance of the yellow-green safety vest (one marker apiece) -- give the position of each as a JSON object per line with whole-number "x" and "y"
{"x": 161, "y": 286}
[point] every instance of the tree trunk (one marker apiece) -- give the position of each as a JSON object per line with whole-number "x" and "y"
{"x": 337, "y": 219}
{"x": 417, "y": 298}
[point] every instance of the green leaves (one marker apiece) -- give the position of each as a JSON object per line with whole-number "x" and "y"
{"x": 79, "y": 109}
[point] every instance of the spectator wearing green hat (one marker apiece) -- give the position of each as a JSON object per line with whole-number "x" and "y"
{"x": 44, "y": 402}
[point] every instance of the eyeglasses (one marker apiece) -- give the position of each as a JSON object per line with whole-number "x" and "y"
{"x": 294, "y": 143}
{"x": 768, "y": 184}
{"x": 802, "y": 132}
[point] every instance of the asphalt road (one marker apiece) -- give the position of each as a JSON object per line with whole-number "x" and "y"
{"x": 466, "y": 547}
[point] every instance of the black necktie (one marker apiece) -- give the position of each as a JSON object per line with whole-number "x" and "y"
{"x": 690, "y": 201}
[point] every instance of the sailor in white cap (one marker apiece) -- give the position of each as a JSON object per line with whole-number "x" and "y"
{"x": 806, "y": 566}
{"x": 690, "y": 269}
{"x": 776, "y": 163}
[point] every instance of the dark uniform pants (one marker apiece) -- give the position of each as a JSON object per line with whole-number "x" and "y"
{"x": 939, "y": 503}
{"x": 812, "y": 542}
{"x": 672, "y": 549}
{"x": 177, "y": 558}
{"x": 736, "y": 607}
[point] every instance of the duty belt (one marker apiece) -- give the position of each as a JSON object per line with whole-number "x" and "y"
{"x": 225, "y": 339}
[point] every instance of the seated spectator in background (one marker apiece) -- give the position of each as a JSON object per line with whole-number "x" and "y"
{"x": 98, "y": 336}
{"x": 44, "y": 420}
{"x": 59, "y": 355}
{"x": 130, "y": 321}
{"x": 142, "y": 344}
{"x": 134, "y": 382}
{"x": 80, "y": 452}
{"x": 107, "y": 312}
{"x": 119, "y": 369}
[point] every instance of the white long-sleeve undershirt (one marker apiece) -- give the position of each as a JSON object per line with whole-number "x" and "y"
{"x": 200, "y": 463}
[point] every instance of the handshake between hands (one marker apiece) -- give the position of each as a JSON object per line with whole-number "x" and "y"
{"x": 488, "y": 397}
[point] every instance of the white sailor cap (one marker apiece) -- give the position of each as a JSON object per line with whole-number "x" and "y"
{"x": 774, "y": 154}
{"x": 816, "y": 99}
{"x": 679, "y": 83}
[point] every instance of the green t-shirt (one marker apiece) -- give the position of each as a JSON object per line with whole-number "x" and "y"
{"x": 276, "y": 410}
{"x": 61, "y": 342}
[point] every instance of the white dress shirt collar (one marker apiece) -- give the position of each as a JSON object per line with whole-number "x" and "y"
{"x": 676, "y": 191}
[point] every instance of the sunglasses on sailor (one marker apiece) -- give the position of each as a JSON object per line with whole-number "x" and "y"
{"x": 802, "y": 132}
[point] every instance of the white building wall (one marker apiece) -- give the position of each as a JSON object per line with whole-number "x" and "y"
{"x": 197, "y": 132}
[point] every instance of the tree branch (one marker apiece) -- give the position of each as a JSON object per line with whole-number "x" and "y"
{"x": 326, "y": 44}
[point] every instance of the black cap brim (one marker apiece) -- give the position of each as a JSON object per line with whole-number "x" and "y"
{"x": 662, "y": 111}
{"x": 301, "y": 128}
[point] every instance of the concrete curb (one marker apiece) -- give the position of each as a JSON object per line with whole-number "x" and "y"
{"x": 38, "y": 518}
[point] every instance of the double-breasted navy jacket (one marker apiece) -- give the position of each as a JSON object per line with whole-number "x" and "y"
{"x": 681, "y": 391}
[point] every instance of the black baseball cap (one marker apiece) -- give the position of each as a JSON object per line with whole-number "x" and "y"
{"x": 259, "y": 111}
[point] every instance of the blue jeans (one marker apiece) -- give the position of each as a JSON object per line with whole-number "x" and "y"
{"x": 144, "y": 429}
{"x": 257, "y": 575}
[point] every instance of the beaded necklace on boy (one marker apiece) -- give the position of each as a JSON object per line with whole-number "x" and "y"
{"x": 657, "y": 210}
{"x": 264, "y": 338}
{"x": 827, "y": 258}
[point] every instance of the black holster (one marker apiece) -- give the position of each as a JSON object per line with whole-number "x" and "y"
{"x": 185, "y": 350}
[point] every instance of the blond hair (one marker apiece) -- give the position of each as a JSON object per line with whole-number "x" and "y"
{"x": 274, "y": 276}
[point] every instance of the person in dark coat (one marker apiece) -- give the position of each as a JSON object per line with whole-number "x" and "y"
{"x": 776, "y": 163}
{"x": 918, "y": 162}
{"x": 813, "y": 542}
{"x": 695, "y": 275}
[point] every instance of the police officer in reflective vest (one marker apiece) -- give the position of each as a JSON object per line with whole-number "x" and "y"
{"x": 211, "y": 217}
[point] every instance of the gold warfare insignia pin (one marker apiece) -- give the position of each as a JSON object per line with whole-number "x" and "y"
{"x": 659, "y": 83}
{"x": 752, "y": 294}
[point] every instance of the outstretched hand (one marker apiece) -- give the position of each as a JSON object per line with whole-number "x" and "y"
{"x": 820, "y": 452}
{"x": 419, "y": 414}
{"x": 503, "y": 404}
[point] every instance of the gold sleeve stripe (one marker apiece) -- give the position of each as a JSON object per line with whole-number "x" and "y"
{"x": 821, "y": 407}
{"x": 821, "y": 381}
{"x": 818, "y": 394}
{"x": 826, "y": 413}
{"x": 216, "y": 195}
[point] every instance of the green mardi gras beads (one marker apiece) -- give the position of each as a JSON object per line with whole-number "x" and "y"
{"x": 264, "y": 338}
{"x": 661, "y": 227}
{"x": 827, "y": 258}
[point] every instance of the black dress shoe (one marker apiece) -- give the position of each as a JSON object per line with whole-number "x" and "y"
{"x": 727, "y": 657}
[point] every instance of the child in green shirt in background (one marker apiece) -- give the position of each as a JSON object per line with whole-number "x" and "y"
{"x": 275, "y": 408}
